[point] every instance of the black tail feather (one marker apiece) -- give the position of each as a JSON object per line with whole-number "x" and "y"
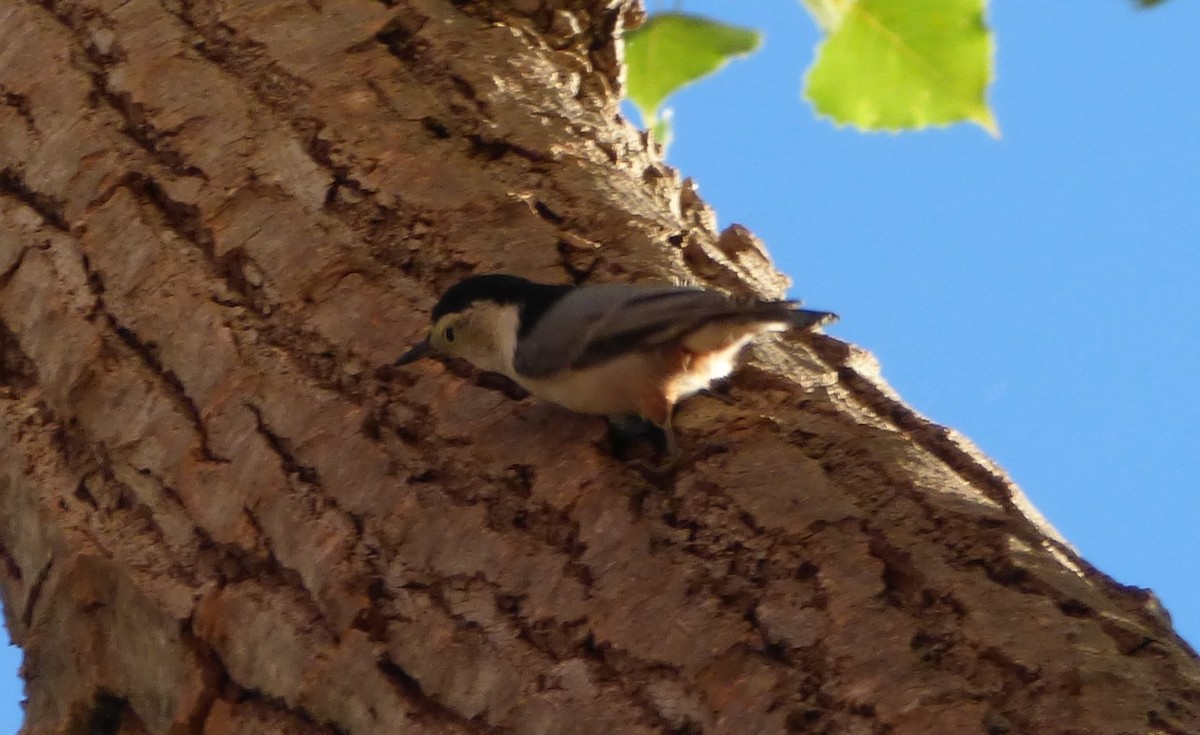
{"x": 806, "y": 319}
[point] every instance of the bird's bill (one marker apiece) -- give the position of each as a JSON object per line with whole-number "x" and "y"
{"x": 416, "y": 352}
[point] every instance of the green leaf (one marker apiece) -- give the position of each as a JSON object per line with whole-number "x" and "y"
{"x": 828, "y": 13}
{"x": 672, "y": 50}
{"x": 893, "y": 64}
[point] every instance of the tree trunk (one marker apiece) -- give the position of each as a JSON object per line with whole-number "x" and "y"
{"x": 222, "y": 513}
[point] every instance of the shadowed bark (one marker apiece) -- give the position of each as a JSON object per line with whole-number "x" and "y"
{"x": 222, "y": 513}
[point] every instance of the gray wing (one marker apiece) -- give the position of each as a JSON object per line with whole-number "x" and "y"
{"x": 593, "y": 324}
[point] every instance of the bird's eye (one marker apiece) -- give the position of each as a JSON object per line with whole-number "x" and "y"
{"x": 449, "y": 334}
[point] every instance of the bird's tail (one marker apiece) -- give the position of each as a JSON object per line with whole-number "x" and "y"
{"x": 788, "y": 315}
{"x": 734, "y": 325}
{"x": 807, "y": 319}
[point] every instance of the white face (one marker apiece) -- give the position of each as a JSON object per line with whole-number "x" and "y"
{"x": 484, "y": 334}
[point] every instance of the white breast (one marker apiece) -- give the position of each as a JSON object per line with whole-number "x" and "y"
{"x": 619, "y": 386}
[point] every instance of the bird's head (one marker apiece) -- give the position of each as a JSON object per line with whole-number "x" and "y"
{"x": 480, "y": 319}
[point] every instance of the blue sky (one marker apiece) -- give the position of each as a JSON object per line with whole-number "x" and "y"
{"x": 1040, "y": 292}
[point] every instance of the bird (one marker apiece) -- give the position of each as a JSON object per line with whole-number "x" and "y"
{"x": 618, "y": 350}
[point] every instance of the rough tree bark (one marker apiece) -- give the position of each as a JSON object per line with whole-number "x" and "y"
{"x": 220, "y": 512}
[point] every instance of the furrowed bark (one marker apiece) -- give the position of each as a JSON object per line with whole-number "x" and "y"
{"x": 221, "y": 512}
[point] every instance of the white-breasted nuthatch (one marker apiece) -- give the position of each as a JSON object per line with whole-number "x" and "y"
{"x": 608, "y": 349}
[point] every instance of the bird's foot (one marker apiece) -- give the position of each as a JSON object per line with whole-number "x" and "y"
{"x": 629, "y": 436}
{"x": 719, "y": 392}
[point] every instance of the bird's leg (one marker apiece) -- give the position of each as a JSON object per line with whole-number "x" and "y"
{"x": 670, "y": 448}
{"x": 625, "y": 431}
{"x": 653, "y": 422}
{"x": 668, "y": 451}
{"x": 719, "y": 392}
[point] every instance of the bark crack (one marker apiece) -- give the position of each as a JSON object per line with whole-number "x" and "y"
{"x": 428, "y": 709}
{"x": 49, "y": 208}
{"x": 17, "y": 371}
{"x": 20, "y": 103}
{"x": 35, "y": 593}
{"x": 282, "y": 448}
{"x": 147, "y": 354}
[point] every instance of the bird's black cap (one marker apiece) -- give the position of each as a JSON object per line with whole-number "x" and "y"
{"x": 532, "y": 298}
